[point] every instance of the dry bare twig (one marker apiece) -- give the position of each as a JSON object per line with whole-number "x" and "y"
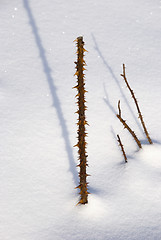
{"x": 122, "y": 148}
{"x": 127, "y": 127}
{"x": 137, "y": 105}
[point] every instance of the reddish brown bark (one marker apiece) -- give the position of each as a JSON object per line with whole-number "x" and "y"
{"x": 81, "y": 121}
{"x": 137, "y": 105}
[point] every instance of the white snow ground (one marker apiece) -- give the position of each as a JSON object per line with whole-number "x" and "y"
{"x": 37, "y": 121}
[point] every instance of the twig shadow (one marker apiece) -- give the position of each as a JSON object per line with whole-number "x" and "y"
{"x": 145, "y": 142}
{"x": 52, "y": 87}
{"x": 96, "y": 47}
{"x": 114, "y": 135}
{"x": 107, "y": 101}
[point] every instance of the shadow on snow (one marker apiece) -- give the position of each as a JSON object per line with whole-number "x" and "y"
{"x": 107, "y": 101}
{"x": 55, "y": 98}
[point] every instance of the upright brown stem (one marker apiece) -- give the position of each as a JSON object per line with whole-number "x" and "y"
{"x": 137, "y": 105}
{"x": 81, "y": 120}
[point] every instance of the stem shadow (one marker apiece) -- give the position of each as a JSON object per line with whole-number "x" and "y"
{"x": 53, "y": 90}
{"x": 117, "y": 82}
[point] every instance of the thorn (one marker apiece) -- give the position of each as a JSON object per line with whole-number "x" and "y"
{"x": 75, "y": 87}
{"x": 86, "y": 123}
{"x": 85, "y": 91}
{"x": 84, "y": 50}
{"x": 76, "y": 74}
{"x": 76, "y": 145}
{"x": 88, "y": 175}
{"x": 77, "y": 95}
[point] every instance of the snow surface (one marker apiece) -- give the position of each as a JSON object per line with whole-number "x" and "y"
{"x": 37, "y": 120}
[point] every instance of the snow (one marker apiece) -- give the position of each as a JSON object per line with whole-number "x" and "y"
{"x": 38, "y": 124}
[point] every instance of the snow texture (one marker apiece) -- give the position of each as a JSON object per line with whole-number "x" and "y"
{"x": 38, "y": 124}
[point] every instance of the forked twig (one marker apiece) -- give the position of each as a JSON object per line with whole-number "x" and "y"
{"x": 137, "y": 106}
{"x": 122, "y": 148}
{"x": 127, "y": 127}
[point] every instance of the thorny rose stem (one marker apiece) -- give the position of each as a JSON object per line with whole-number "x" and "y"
{"x": 80, "y": 63}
